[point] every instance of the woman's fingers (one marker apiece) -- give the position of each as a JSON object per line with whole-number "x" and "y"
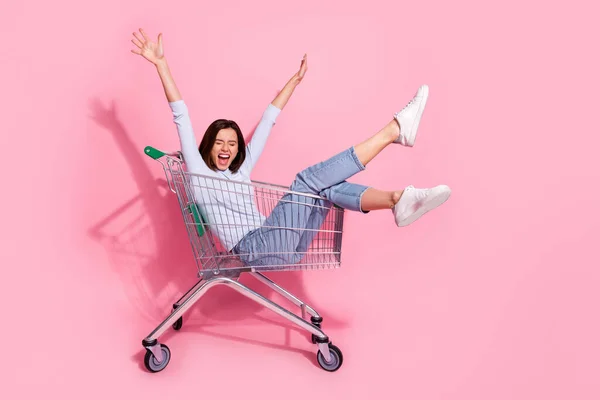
{"x": 139, "y": 38}
{"x": 144, "y": 34}
{"x": 138, "y": 52}
{"x": 137, "y": 43}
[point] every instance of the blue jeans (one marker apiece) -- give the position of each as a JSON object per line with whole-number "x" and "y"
{"x": 292, "y": 225}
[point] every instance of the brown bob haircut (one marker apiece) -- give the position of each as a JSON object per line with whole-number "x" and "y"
{"x": 210, "y": 136}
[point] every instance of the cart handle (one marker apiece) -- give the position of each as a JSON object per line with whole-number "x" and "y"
{"x": 153, "y": 153}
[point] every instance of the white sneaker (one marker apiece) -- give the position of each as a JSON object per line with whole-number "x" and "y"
{"x": 410, "y": 116}
{"x": 416, "y": 202}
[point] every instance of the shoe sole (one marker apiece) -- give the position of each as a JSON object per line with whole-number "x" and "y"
{"x": 431, "y": 203}
{"x": 415, "y": 127}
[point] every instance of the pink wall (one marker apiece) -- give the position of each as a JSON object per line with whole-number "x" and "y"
{"x": 493, "y": 296}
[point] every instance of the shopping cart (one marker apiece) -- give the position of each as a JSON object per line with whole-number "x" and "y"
{"x": 307, "y": 236}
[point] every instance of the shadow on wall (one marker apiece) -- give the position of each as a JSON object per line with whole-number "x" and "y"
{"x": 149, "y": 249}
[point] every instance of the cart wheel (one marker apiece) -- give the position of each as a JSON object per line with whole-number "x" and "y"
{"x": 336, "y": 359}
{"x": 178, "y": 324}
{"x": 150, "y": 361}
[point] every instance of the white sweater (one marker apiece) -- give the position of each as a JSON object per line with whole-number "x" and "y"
{"x": 229, "y": 207}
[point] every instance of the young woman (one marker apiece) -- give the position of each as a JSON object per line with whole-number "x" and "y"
{"x": 223, "y": 154}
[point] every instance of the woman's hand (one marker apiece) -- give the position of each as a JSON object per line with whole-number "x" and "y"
{"x": 151, "y": 51}
{"x": 303, "y": 67}
{"x": 284, "y": 96}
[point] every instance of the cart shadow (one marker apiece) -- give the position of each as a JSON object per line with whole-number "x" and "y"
{"x": 148, "y": 247}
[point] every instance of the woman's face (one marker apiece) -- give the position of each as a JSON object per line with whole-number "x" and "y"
{"x": 225, "y": 148}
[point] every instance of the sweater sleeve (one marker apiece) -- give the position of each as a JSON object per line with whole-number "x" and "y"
{"x": 259, "y": 139}
{"x": 187, "y": 139}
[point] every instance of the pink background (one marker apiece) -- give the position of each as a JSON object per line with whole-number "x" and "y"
{"x": 493, "y": 296}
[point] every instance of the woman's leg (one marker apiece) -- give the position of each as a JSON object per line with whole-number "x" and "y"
{"x": 401, "y": 129}
{"x": 367, "y": 150}
{"x": 330, "y": 172}
{"x": 407, "y": 205}
{"x": 344, "y": 165}
{"x": 286, "y": 234}
{"x": 374, "y": 199}
{"x": 355, "y": 197}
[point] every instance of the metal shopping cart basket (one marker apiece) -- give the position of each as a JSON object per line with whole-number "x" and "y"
{"x": 307, "y": 236}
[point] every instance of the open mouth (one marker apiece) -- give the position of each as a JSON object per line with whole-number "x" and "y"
{"x": 223, "y": 159}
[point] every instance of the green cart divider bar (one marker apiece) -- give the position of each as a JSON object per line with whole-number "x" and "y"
{"x": 193, "y": 209}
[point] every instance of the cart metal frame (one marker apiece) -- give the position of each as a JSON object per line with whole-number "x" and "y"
{"x": 217, "y": 266}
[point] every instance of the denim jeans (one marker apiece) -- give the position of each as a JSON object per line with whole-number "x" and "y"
{"x": 292, "y": 225}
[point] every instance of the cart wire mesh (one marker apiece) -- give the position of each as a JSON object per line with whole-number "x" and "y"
{"x": 254, "y": 226}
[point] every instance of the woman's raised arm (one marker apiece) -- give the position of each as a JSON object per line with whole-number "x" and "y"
{"x": 153, "y": 52}
{"x": 263, "y": 130}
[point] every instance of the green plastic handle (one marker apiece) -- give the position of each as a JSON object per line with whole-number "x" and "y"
{"x": 153, "y": 153}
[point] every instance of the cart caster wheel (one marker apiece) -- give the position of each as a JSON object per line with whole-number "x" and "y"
{"x": 336, "y": 359}
{"x": 178, "y": 324}
{"x": 150, "y": 361}
{"x": 316, "y": 322}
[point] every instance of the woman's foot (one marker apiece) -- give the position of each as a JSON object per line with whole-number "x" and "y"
{"x": 409, "y": 117}
{"x": 414, "y": 203}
